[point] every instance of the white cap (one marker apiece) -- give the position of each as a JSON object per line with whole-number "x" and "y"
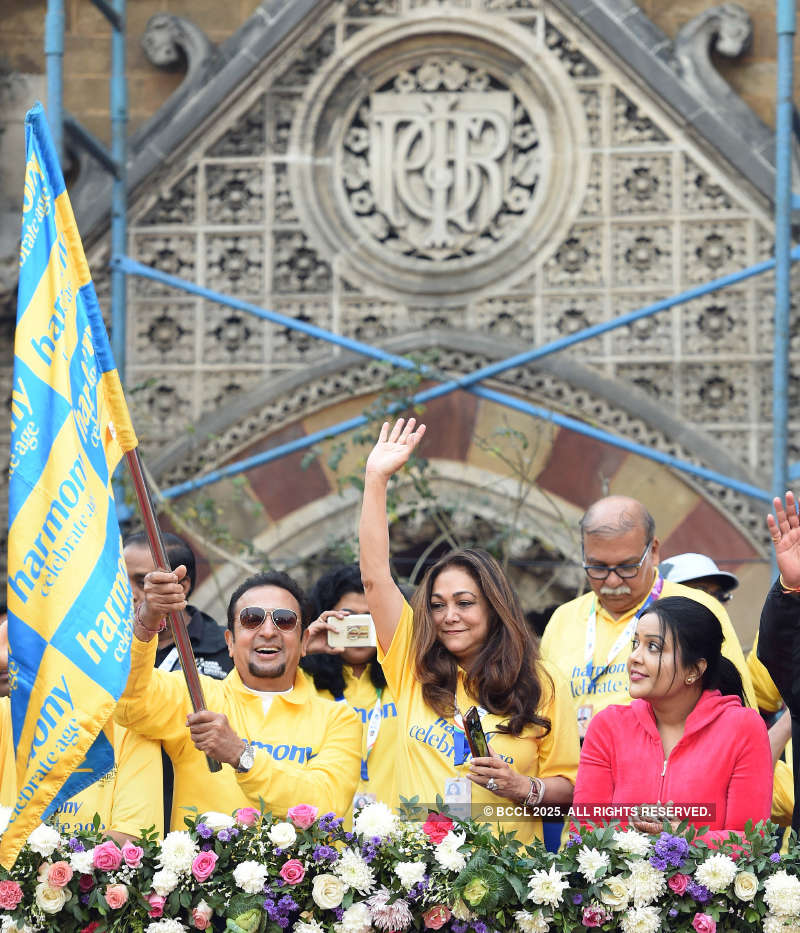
{"x": 683, "y": 567}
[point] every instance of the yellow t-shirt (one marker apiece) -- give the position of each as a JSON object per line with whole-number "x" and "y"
{"x": 425, "y": 758}
{"x": 306, "y": 747}
{"x": 361, "y": 695}
{"x": 128, "y": 799}
{"x": 564, "y": 644}
{"x": 767, "y": 695}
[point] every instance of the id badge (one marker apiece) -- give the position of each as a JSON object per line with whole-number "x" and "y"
{"x": 361, "y": 799}
{"x": 584, "y": 718}
{"x": 458, "y": 797}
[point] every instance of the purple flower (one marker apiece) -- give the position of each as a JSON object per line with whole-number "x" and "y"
{"x": 658, "y": 862}
{"x": 480, "y": 927}
{"x": 224, "y": 835}
{"x": 287, "y": 903}
{"x": 324, "y": 853}
{"x": 204, "y": 831}
{"x": 672, "y": 849}
{"x": 207, "y": 846}
{"x": 76, "y": 845}
{"x": 338, "y": 912}
{"x": 348, "y": 837}
{"x": 279, "y": 852}
{"x": 574, "y": 840}
{"x": 457, "y": 926}
{"x": 673, "y": 911}
{"x": 775, "y": 857}
{"x": 282, "y": 922}
{"x": 577, "y": 898}
{"x": 699, "y": 892}
{"x": 84, "y": 899}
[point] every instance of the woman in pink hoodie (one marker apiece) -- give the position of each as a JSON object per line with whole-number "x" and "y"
{"x": 686, "y": 747}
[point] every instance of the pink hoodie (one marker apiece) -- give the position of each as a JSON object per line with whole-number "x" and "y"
{"x": 722, "y": 765}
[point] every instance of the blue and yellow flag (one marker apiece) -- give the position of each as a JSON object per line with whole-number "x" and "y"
{"x": 69, "y": 602}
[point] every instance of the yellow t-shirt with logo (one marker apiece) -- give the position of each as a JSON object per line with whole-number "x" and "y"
{"x": 306, "y": 747}
{"x": 425, "y": 758}
{"x": 128, "y": 799}
{"x": 564, "y": 645}
{"x": 361, "y": 695}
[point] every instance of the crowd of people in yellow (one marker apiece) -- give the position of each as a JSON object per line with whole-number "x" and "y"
{"x": 610, "y": 712}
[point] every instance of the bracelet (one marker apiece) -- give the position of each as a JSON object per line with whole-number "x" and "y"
{"x": 137, "y": 618}
{"x": 536, "y": 792}
{"x": 786, "y": 588}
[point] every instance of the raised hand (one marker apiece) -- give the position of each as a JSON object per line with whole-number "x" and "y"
{"x": 394, "y": 447}
{"x": 784, "y": 529}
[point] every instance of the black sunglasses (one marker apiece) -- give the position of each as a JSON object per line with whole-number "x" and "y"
{"x": 251, "y": 617}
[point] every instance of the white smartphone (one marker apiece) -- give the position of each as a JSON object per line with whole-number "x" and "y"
{"x": 355, "y": 631}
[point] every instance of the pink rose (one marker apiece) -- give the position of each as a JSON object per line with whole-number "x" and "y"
{"x": 201, "y": 915}
{"x": 292, "y": 871}
{"x": 60, "y": 874}
{"x": 248, "y": 816}
{"x": 203, "y": 865}
{"x": 116, "y": 895}
{"x": 678, "y": 883}
{"x": 132, "y": 854}
{"x": 10, "y": 895}
{"x": 437, "y": 827}
{"x": 156, "y": 902}
{"x": 704, "y": 924}
{"x": 303, "y": 815}
{"x": 594, "y": 916}
{"x": 106, "y": 856}
{"x": 436, "y": 917}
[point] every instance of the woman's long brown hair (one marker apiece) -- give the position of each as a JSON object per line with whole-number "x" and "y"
{"x": 506, "y": 676}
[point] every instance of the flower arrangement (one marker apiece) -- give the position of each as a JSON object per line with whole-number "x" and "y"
{"x": 252, "y": 873}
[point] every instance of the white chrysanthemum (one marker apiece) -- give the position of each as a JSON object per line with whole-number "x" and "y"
{"x": 178, "y": 850}
{"x": 376, "y": 819}
{"x": 5, "y": 816}
{"x": 716, "y": 872}
{"x": 645, "y": 883}
{"x": 782, "y": 894}
{"x": 632, "y": 842}
{"x": 217, "y": 821}
{"x": 410, "y": 873}
{"x": 641, "y": 920}
{"x": 82, "y": 862}
{"x": 355, "y": 872}
{"x": 165, "y": 881}
{"x": 590, "y": 861}
{"x": 356, "y": 919}
{"x": 250, "y": 876}
{"x": 531, "y": 922}
{"x": 44, "y": 840}
{"x": 165, "y": 925}
{"x": 447, "y": 854}
{"x": 546, "y": 887}
{"x": 308, "y": 926}
{"x": 773, "y": 924}
{"x": 282, "y": 835}
{"x": 386, "y": 916}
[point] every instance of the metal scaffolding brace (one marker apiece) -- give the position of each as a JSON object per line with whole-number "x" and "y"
{"x": 122, "y": 266}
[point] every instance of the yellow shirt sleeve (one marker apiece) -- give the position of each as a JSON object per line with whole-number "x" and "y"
{"x": 328, "y": 783}
{"x": 397, "y": 661}
{"x": 782, "y": 794}
{"x": 8, "y": 766}
{"x": 138, "y": 801}
{"x": 767, "y": 695}
{"x": 559, "y": 750}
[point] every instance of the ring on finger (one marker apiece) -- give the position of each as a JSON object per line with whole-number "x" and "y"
{"x": 491, "y": 784}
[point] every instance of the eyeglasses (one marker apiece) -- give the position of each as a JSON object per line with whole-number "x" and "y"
{"x": 251, "y": 617}
{"x": 624, "y": 571}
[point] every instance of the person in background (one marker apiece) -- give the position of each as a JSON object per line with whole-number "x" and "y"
{"x": 354, "y": 675}
{"x": 588, "y": 638}
{"x": 465, "y": 644}
{"x": 278, "y": 741}
{"x": 127, "y": 799}
{"x": 685, "y": 740}
{"x": 701, "y": 573}
{"x": 206, "y": 636}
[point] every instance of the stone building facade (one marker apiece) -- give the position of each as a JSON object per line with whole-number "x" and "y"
{"x": 464, "y": 179}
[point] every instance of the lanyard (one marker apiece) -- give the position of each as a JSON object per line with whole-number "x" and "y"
{"x": 625, "y": 635}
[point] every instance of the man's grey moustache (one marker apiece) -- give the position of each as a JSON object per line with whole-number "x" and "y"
{"x": 623, "y": 590}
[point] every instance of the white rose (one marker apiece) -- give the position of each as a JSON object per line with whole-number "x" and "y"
{"x": 217, "y": 821}
{"x": 44, "y": 840}
{"x": 50, "y": 899}
{"x": 165, "y": 882}
{"x": 745, "y": 885}
{"x": 250, "y": 876}
{"x": 282, "y": 835}
{"x": 327, "y": 891}
{"x": 615, "y": 893}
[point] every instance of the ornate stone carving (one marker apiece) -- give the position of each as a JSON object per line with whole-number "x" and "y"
{"x": 716, "y": 393}
{"x": 642, "y": 185}
{"x": 701, "y": 192}
{"x": 593, "y": 201}
{"x": 631, "y": 126}
{"x": 164, "y": 333}
{"x": 578, "y": 260}
{"x": 716, "y": 323}
{"x": 506, "y": 317}
{"x": 657, "y": 380}
{"x": 711, "y": 250}
{"x": 235, "y": 194}
{"x": 280, "y": 113}
{"x": 232, "y": 337}
{"x": 235, "y": 263}
{"x": 575, "y": 61}
{"x": 173, "y": 254}
{"x": 170, "y": 41}
{"x": 565, "y": 315}
{"x": 369, "y": 8}
{"x": 246, "y": 137}
{"x": 285, "y": 211}
{"x": 651, "y": 336}
{"x": 289, "y": 345}
{"x": 297, "y": 266}
{"x": 309, "y": 62}
{"x": 642, "y": 254}
{"x": 175, "y": 205}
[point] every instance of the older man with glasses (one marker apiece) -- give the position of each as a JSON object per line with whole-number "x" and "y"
{"x": 589, "y": 638}
{"x": 277, "y": 738}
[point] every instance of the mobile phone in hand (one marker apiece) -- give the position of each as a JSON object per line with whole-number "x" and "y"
{"x": 355, "y": 631}
{"x": 476, "y": 737}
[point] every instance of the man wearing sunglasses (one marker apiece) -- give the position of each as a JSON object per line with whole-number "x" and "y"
{"x": 277, "y": 738}
{"x": 589, "y": 638}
